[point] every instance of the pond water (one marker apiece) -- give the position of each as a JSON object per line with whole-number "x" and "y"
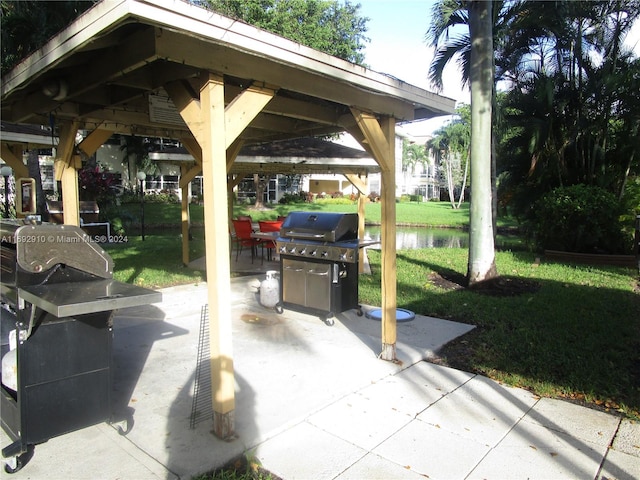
{"x": 422, "y": 237}
{"x": 411, "y": 237}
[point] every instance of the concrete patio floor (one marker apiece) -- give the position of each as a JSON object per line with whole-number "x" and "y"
{"x": 315, "y": 402}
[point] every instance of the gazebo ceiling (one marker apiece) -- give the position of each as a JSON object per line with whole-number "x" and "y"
{"x": 108, "y": 70}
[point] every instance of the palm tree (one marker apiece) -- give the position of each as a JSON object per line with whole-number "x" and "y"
{"x": 449, "y": 35}
{"x": 450, "y": 147}
{"x": 474, "y": 51}
{"x": 413, "y": 155}
{"x": 573, "y": 104}
{"x": 481, "y": 232}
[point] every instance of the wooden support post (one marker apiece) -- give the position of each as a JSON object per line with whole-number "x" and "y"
{"x": 68, "y": 176}
{"x": 214, "y": 160}
{"x": 363, "y": 189}
{"x": 388, "y": 234}
{"x": 66, "y": 170}
{"x": 380, "y": 140}
{"x": 216, "y": 128}
{"x": 186, "y": 220}
{"x": 232, "y": 181}
{"x": 362, "y": 200}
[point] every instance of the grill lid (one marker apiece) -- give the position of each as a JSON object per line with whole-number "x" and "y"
{"x": 320, "y": 226}
{"x": 41, "y": 247}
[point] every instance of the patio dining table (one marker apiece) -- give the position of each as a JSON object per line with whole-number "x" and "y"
{"x": 265, "y": 237}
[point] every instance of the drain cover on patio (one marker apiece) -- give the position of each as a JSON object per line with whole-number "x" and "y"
{"x": 402, "y": 315}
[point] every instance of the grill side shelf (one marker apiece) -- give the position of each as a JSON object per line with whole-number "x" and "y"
{"x": 79, "y": 298}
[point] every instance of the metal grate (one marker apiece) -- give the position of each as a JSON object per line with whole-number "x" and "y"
{"x": 201, "y": 408}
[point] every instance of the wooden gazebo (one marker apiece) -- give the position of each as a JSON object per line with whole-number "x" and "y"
{"x": 169, "y": 69}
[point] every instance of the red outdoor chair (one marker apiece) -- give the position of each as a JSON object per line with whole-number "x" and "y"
{"x": 269, "y": 226}
{"x": 243, "y": 237}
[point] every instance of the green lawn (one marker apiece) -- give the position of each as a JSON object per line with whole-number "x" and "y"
{"x": 577, "y": 337}
{"x": 409, "y": 213}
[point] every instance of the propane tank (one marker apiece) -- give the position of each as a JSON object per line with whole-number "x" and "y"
{"x": 10, "y": 364}
{"x": 270, "y": 290}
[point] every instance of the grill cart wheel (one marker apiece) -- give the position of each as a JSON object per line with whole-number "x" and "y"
{"x": 329, "y": 320}
{"x": 279, "y": 309}
{"x": 15, "y": 464}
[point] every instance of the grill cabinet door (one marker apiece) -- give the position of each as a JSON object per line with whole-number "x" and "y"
{"x": 293, "y": 282}
{"x": 319, "y": 286}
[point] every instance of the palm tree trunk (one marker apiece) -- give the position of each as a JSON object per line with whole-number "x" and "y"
{"x": 464, "y": 184}
{"x": 481, "y": 244}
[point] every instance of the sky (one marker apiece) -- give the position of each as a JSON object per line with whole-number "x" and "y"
{"x": 397, "y": 31}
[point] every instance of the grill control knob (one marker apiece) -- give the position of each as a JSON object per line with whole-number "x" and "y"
{"x": 292, "y": 250}
{"x": 302, "y": 251}
{"x": 313, "y": 252}
{"x": 324, "y": 254}
{"x": 283, "y": 249}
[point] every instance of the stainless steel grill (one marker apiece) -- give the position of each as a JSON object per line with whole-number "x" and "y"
{"x": 319, "y": 263}
{"x": 58, "y": 298}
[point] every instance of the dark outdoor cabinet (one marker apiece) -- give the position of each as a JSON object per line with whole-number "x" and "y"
{"x": 64, "y": 379}
{"x": 58, "y": 298}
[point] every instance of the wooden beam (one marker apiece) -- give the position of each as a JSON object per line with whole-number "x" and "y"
{"x": 380, "y": 137}
{"x": 214, "y": 161}
{"x": 14, "y": 160}
{"x": 236, "y": 179}
{"x": 243, "y": 109}
{"x": 188, "y": 105}
{"x": 92, "y": 142}
{"x": 192, "y": 146}
{"x": 188, "y": 174}
{"x": 130, "y": 54}
{"x": 297, "y": 109}
{"x": 375, "y": 139}
{"x": 360, "y": 184}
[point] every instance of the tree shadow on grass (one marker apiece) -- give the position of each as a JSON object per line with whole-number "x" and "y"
{"x": 563, "y": 339}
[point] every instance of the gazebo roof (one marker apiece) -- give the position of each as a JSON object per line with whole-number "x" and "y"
{"x": 166, "y": 68}
{"x": 108, "y": 68}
